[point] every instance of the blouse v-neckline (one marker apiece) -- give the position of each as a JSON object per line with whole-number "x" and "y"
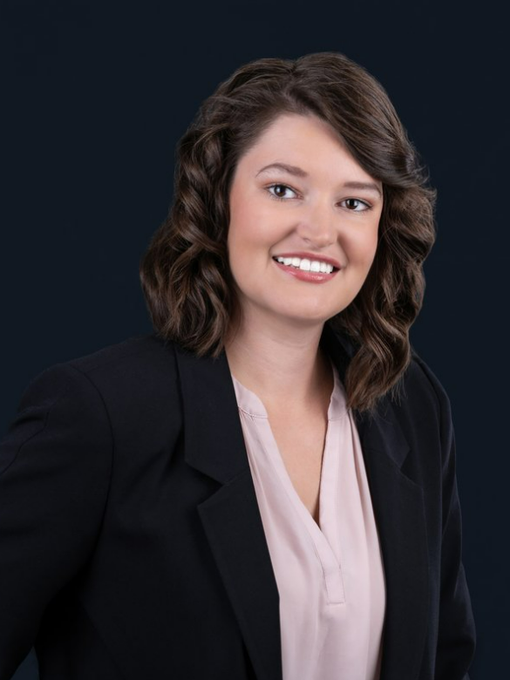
{"x": 324, "y": 535}
{"x": 330, "y": 577}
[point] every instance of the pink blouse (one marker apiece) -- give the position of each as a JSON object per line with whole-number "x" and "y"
{"x": 330, "y": 578}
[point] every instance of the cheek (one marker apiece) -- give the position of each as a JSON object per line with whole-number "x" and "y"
{"x": 238, "y": 244}
{"x": 241, "y": 223}
{"x": 371, "y": 249}
{"x": 250, "y": 231}
{"x": 361, "y": 248}
{"x": 242, "y": 247}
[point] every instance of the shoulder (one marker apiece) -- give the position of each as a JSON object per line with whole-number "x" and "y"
{"x": 422, "y": 385}
{"x": 137, "y": 362}
{"x": 132, "y": 377}
{"x": 422, "y": 404}
{"x": 141, "y": 351}
{"x": 124, "y": 377}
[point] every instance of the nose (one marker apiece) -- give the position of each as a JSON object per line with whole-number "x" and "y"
{"x": 317, "y": 224}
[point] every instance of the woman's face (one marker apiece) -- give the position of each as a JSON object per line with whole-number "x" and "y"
{"x": 301, "y": 238}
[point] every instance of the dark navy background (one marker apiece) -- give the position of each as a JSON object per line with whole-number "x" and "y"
{"x": 95, "y": 96}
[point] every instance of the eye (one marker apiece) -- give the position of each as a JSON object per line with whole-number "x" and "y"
{"x": 279, "y": 186}
{"x": 363, "y": 204}
{"x": 353, "y": 204}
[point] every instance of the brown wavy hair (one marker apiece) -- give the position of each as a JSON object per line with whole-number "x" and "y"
{"x": 185, "y": 273}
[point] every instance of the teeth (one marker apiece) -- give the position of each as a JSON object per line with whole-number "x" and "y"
{"x": 306, "y": 265}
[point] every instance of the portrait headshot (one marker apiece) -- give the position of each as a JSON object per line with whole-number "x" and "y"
{"x": 243, "y": 424}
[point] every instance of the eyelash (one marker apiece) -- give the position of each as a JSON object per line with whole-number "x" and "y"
{"x": 281, "y": 198}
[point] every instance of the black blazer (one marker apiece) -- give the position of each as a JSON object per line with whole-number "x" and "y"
{"x": 131, "y": 545}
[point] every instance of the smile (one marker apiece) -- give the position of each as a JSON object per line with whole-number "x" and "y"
{"x": 303, "y": 269}
{"x": 306, "y": 265}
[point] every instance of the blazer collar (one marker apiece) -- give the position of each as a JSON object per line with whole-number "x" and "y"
{"x": 214, "y": 445}
{"x": 209, "y": 403}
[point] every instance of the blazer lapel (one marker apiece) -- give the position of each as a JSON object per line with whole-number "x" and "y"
{"x": 400, "y": 517}
{"x": 214, "y": 445}
{"x": 399, "y": 512}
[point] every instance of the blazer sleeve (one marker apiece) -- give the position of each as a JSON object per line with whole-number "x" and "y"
{"x": 456, "y": 633}
{"x": 55, "y": 466}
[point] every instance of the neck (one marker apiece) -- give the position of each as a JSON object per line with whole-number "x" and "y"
{"x": 283, "y": 365}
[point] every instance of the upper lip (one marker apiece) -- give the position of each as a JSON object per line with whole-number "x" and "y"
{"x": 312, "y": 256}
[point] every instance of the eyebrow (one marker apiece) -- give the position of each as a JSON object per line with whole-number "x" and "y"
{"x": 299, "y": 172}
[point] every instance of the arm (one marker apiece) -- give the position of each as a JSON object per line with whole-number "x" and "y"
{"x": 55, "y": 465}
{"x": 456, "y": 633}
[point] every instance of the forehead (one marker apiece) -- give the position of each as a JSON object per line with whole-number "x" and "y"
{"x": 291, "y": 127}
{"x": 305, "y": 141}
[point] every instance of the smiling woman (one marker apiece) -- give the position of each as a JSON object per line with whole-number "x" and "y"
{"x": 265, "y": 486}
{"x": 314, "y": 225}
{"x": 373, "y": 156}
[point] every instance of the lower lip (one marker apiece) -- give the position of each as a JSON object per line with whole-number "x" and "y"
{"x": 311, "y": 277}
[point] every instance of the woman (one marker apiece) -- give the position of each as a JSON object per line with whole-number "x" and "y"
{"x": 265, "y": 487}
